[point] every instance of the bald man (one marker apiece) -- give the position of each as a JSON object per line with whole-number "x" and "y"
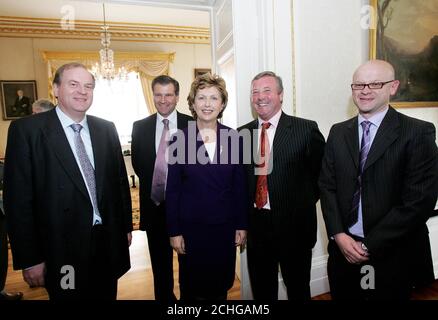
{"x": 379, "y": 185}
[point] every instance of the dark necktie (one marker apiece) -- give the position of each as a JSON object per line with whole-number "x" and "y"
{"x": 365, "y": 145}
{"x": 261, "y": 197}
{"x": 85, "y": 164}
{"x": 160, "y": 169}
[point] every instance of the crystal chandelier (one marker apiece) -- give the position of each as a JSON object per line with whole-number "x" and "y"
{"x": 106, "y": 69}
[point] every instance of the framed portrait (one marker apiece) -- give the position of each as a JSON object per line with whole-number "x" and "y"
{"x": 17, "y": 98}
{"x": 199, "y": 72}
{"x": 406, "y": 35}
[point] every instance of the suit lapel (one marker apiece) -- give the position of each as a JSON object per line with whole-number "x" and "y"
{"x": 253, "y": 126}
{"x": 224, "y": 147}
{"x": 200, "y": 144}
{"x": 386, "y": 134}
{"x": 58, "y": 142}
{"x": 281, "y": 134}
{"x": 180, "y": 123}
{"x": 150, "y": 132}
{"x": 351, "y": 136}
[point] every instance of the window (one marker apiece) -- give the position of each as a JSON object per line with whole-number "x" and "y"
{"x": 121, "y": 102}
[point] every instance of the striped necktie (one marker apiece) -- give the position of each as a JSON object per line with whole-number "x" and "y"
{"x": 85, "y": 164}
{"x": 365, "y": 145}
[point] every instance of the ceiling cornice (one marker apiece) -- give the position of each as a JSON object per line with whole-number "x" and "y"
{"x": 91, "y": 30}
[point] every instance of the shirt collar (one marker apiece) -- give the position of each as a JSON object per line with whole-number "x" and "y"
{"x": 375, "y": 119}
{"x": 172, "y": 118}
{"x": 273, "y": 121}
{"x": 66, "y": 121}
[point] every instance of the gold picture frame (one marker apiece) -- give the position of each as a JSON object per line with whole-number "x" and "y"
{"x": 409, "y": 41}
{"x": 199, "y": 72}
{"x": 17, "y": 97}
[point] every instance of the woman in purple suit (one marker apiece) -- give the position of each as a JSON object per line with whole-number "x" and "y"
{"x": 206, "y": 195}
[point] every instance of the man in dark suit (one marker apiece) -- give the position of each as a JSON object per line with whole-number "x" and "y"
{"x": 22, "y": 105}
{"x": 282, "y": 221}
{"x": 146, "y": 136}
{"x": 4, "y": 295}
{"x": 66, "y": 195}
{"x": 379, "y": 185}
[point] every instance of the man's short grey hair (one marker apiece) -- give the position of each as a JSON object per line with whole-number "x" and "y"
{"x": 270, "y": 74}
{"x": 44, "y": 104}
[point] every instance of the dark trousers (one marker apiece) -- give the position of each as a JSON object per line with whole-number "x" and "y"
{"x": 267, "y": 251}
{"x": 3, "y": 251}
{"x": 373, "y": 280}
{"x": 97, "y": 283}
{"x": 161, "y": 254}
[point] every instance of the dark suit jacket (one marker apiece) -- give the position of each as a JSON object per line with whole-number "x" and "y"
{"x": 206, "y": 202}
{"x": 47, "y": 205}
{"x": 293, "y": 191}
{"x": 206, "y": 193}
{"x": 399, "y": 185}
{"x": 143, "y": 156}
{"x": 23, "y": 106}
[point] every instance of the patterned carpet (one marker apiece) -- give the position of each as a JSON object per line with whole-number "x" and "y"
{"x": 135, "y": 208}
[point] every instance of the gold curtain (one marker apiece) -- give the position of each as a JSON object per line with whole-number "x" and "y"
{"x": 148, "y": 64}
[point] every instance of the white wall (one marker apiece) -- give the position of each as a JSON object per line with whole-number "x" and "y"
{"x": 329, "y": 45}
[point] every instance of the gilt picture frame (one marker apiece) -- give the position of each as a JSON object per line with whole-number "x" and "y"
{"x": 199, "y": 72}
{"x": 17, "y": 97}
{"x": 405, "y": 34}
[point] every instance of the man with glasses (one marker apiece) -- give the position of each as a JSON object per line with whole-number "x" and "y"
{"x": 379, "y": 185}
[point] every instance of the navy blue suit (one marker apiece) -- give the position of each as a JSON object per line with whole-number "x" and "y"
{"x": 206, "y": 204}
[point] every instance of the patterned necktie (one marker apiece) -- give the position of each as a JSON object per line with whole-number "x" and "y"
{"x": 85, "y": 163}
{"x": 261, "y": 197}
{"x": 160, "y": 169}
{"x": 365, "y": 145}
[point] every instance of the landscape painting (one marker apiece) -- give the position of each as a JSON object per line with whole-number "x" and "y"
{"x": 406, "y": 35}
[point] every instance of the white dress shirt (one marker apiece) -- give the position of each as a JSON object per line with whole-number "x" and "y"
{"x": 376, "y": 120}
{"x": 66, "y": 121}
{"x": 211, "y": 150}
{"x": 173, "y": 127}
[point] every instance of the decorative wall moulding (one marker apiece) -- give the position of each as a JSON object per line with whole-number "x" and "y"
{"x": 91, "y": 30}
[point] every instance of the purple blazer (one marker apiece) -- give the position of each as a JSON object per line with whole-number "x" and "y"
{"x": 210, "y": 193}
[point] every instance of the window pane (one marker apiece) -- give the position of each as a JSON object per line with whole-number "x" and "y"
{"x": 121, "y": 102}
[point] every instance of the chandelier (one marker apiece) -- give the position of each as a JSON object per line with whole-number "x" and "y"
{"x": 106, "y": 68}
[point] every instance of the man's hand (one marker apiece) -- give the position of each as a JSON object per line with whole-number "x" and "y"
{"x": 351, "y": 249}
{"x": 240, "y": 237}
{"x": 129, "y": 238}
{"x": 34, "y": 276}
{"x": 178, "y": 245}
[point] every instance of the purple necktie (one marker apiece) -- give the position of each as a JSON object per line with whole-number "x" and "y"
{"x": 160, "y": 169}
{"x": 85, "y": 163}
{"x": 364, "y": 149}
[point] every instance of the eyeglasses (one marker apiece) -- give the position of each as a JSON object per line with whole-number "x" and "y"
{"x": 371, "y": 86}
